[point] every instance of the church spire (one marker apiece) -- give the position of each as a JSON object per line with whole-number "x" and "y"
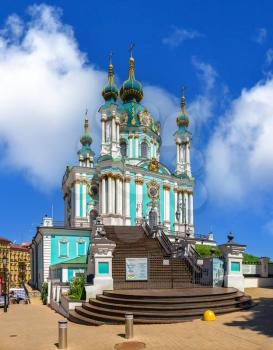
{"x": 183, "y": 139}
{"x": 183, "y": 119}
{"x": 110, "y": 89}
{"x": 86, "y": 155}
{"x": 131, "y": 88}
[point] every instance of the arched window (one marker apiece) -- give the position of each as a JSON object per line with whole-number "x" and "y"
{"x": 152, "y": 218}
{"x": 123, "y": 148}
{"x": 144, "y": 149}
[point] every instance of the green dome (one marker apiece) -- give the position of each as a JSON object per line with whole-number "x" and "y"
{"x": 183, "y": 119}
{"x": 131, "y": 89}
{"x": 110, "y": 89}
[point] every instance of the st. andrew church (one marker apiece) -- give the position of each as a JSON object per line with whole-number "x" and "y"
{"x": 125, "y": 185}
{"x": 128, "y": 183}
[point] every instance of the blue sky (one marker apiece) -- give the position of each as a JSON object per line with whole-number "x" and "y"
{"x": 53, "y": 61}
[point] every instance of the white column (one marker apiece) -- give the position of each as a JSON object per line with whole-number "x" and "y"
{"x": 139, "y": 186}
{"x": 130, "y": 147}
{"x": 64, "y": 275}
{"x": 166, "y": 204}
{"x": 77, "y": 198}
{"x": 188, "y": 166}
{"x": 177, "y": 153}
{"x": 103, "y": 138}
{"x": 175, "y": 206}
{"x": 191, "y": 208}
{"x": 113, "y": 129}
{"x": 180, "y": 203}
{"x": 117, "y": 131}
{"x": 137, "y": 146}
{"x": 127, "y": 200}
{"x": 119, "y": 194}
{"x": 110, "y": 204}
{"x": 186, "y": 207}
{"x": 113, "y": 195}
{"x": 84, "y": 185}
{"x": 103, "y": 196}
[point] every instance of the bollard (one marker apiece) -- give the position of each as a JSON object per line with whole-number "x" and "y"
{"x": 62, "y": 334}
{"x": 129, "y": 326}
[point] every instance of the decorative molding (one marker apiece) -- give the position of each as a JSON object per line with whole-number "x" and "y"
{"x": 166, "y": 186}
{"x": 139, "y": 180}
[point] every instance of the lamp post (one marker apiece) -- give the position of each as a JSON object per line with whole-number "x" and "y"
{"x": 5, "y": 283}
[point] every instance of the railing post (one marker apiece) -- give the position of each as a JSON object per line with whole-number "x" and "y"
{"x": 129, "y": 326}
{"x": 62, "y": 344}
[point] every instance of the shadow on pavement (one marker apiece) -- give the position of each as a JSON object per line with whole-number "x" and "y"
{"x": 260, "y": 319}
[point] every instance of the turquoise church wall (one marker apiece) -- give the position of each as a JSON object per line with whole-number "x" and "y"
{"x": 72, "y": 250}
{"x": 133, "y": 201}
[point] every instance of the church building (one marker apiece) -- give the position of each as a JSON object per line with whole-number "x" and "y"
{"x": 126, "y": 184}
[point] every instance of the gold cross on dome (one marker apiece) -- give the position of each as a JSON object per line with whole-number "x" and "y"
{"x": 110, "y": 57}
{"x": 131, "y": 49}
{"x": 183, "y": 88}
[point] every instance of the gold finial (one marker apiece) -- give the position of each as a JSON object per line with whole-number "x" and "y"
{"x": 131, "y": 61}
{"x": 110, "y": 67}
{"x": 183, "y": 100}
{"x": 86, "y": 120}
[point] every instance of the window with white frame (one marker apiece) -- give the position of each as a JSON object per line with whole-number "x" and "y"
{"x": 81, "y": 247}
{"x": 144, "y": 148}
{"x": 63, "y": 248}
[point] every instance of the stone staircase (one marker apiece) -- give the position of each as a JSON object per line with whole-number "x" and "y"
{"x": 152, "y": 306}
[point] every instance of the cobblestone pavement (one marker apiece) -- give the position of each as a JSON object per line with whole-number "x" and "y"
{"x": 34, "y": 326}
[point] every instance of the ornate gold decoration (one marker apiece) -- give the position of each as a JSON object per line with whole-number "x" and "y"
{"x": 139, "y": 180}
{"x": 153, "y": 165}
{"x": 166, "y": 186}
{"x": 153, "y": 189}
{"x": 92, "y": 189}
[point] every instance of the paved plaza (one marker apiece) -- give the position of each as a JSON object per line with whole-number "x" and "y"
{"x": 34, "y": 326}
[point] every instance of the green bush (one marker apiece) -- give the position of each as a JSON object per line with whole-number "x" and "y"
{"x": 44, "y": 293}
{"x": 77, "y": 290}
{"x": 204, "y": 250}
{"x": 249, "y": 258}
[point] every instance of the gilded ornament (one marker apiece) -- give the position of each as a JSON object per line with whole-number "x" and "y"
{"x": 153, "y": 165}
{"x": 153, "y": 189}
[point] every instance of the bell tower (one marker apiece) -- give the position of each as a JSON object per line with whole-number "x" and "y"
{"x": 183, "y": 140}
{"x": 110, "y": 121}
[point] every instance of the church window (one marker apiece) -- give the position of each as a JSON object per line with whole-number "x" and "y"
{"x": 144, "y": 149}
{"x": 80, "y": 247}
{"x": 63, "y": 248}
{"x": 123, "y": 148}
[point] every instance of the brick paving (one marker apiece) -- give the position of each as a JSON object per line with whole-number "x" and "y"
{"x": 34, "y": 326}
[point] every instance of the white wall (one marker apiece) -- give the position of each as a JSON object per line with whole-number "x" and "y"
{"x": 255, "y": 282}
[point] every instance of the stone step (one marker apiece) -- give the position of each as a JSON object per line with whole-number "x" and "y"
{"x": 164, "y": 307}
{"x": 167, "y": 301}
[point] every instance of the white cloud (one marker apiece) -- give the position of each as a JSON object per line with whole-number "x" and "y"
{"x": 46, "y": 84}
{"x": 179, "y": 35}
{"x": 260, "y": 35}
{"x": 239, "y": 155}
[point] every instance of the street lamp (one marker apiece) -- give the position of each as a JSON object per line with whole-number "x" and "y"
{"x": 5, "y": 283}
